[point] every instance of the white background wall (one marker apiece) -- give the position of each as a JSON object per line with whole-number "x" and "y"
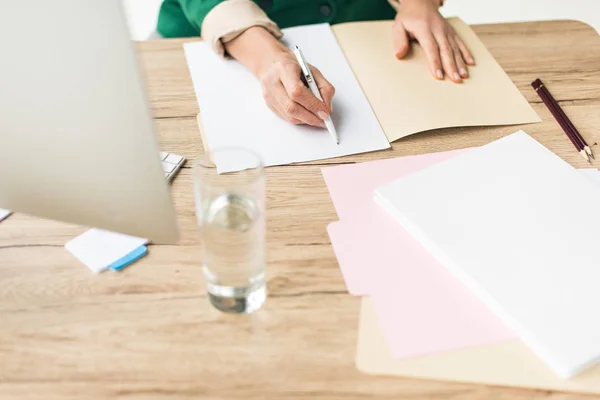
{"x": 142, "y": 16}
{"x": 142, "y": 13}
{"x": 491, "y": 11}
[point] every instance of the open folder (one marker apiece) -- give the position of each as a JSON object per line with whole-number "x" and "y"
{"x": 407, "y": 100}
{"x": 402, "y": 94}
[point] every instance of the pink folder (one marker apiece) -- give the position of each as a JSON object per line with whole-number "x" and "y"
{"x": 422, "y": 308}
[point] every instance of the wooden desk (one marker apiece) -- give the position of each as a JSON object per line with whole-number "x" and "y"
{"x": 149, "y": 332}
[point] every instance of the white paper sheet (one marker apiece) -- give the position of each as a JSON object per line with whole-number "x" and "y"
{"x": 591, "y": 173}
{"x": 4, "y": 213}
{"x": 518, "y": 226}
{"x": 234, "y": 113}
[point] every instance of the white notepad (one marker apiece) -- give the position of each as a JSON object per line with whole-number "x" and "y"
{"x": 98, "y": 248}
{"x": 234, "y": 113}
{"x": 520, "y": 227}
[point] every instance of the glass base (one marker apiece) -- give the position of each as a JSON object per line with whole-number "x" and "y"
{"x": 237, "y": 300}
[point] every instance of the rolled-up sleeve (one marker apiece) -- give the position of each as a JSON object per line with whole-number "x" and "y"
{"x": 396, "y": 3}
{"x": 230, "y": 18}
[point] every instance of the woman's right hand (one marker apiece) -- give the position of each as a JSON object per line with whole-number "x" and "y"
{"x": 286, "y": 94}
{"x": 280, "y": 76}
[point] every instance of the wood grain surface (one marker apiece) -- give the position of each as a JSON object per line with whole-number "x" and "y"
{"x": 149, "y": 332}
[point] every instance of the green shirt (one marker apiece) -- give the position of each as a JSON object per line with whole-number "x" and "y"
{"x": 182, "y": 18}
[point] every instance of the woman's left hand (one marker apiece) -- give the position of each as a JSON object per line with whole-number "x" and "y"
{"x": 445, "y": 51}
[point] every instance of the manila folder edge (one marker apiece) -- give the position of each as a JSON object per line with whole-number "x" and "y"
{"x": 508, "y": 363}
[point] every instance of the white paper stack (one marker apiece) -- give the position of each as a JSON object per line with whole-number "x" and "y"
{"x": 519, "y": 227}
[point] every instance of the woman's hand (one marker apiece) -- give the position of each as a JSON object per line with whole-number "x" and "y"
{"x": 445, "y": 51}
{"x": 286, "y": 94}
{"x": 280, "y": 76}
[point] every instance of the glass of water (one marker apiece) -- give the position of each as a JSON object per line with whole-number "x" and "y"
{"x": 230, "y": 207}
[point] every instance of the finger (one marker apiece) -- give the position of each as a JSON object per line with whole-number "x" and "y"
{"x": 274, "y": 106}
{"x": 279, "y": 112}
{"x": 464, "y": 51}
{"x": 447, "y": 56}
{"x": 325, "y": 88}
{"x": 267, "y": 85}
{"x": 293, "y": 110}
{"x": 432, "y": 53}
{"x": 460, "y": 63}
{"x": 300, "y": 94}
{"x": 400, "y": 40}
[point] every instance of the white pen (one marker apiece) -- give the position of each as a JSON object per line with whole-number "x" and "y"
{"x": 312, "y": 85}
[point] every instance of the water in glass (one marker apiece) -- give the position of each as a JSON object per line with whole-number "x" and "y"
{"x": 231, "y": 218}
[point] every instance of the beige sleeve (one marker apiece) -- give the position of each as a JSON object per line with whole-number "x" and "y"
{"x": 396, "y": 3}
{"x": 231, "y": 18}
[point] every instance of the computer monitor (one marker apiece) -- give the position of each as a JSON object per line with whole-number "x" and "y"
{"x": 77, "y": 142}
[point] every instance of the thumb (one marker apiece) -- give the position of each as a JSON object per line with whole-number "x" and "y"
{"x": 400, "y": 40}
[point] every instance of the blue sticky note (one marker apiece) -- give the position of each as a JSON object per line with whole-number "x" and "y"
{"x": 129, "y": 258}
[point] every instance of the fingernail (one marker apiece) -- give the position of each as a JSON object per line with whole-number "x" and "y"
{"x": 322, "y": 115}
{"x": 439, "y": 74}
{"x": 457, "y": 76}
{"x": 470, "y": 60}
{"x": 463, "y": 72}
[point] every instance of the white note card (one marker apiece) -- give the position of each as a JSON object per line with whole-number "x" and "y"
{"x": 234, "y": 113}
{"x": 4, "y": 213}
{"x": 98, "y": 248}
{"x": 519, "y": 227}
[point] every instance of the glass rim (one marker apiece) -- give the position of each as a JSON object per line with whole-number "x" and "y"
{"x": 259, "y": 162}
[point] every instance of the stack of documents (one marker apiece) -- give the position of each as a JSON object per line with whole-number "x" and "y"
{"x": 475, "y": 265}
